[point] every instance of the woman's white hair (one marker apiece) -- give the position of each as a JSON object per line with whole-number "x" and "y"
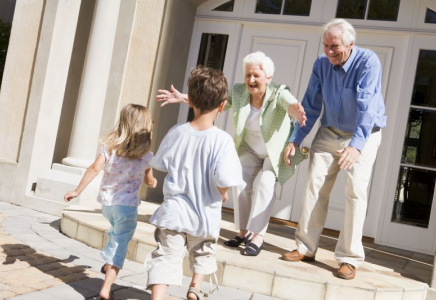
{"x": 347, "y": 30}
{"x": 260, "y": 59}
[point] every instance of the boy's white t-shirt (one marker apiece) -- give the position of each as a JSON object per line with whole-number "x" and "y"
{"x": 122, "y": 178}
{"x": 197, "y": 163}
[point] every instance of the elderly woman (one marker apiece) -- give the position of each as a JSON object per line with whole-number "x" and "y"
{"x": 261, "y": 110}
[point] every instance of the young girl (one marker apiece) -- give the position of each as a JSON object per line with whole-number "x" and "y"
{"x": 125, "y": 156}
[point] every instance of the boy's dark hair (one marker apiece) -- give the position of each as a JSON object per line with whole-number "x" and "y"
{"x": 207, "y": 88}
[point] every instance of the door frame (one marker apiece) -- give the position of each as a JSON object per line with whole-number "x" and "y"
{"x": 396, "y": 234}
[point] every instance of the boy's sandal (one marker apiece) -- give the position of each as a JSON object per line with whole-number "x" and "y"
{"x": 237, "y": 240}
{"x": 198, "y": 294}
{"x": 252, "y": 249}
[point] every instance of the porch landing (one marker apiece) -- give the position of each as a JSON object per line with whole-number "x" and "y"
{"x": 387, "y": 273}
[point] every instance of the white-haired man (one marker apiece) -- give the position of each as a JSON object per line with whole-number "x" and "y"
{"x": 346, "y": 80}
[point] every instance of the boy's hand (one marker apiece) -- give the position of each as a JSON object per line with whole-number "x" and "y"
{"x": 70, "y": 195}
{"x": 225, "y": 197}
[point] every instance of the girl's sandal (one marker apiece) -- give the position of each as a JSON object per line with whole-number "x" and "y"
{"x": 111, "y": 297}
{"x": 198, "y": 294}
{"x": 102, "y": 270}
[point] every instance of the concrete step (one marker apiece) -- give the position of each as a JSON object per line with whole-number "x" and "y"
{"x": 266, "y": 274}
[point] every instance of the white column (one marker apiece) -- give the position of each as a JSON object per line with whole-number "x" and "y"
{"x": 90, "y": 103}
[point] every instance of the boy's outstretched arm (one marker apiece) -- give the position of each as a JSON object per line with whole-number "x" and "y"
{"x": 89, "y": 175}
{"x": 149, "y": 179}
{"x": 224, "y": 195}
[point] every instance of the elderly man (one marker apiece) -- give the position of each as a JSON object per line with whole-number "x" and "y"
{"x": 346, "y": 79}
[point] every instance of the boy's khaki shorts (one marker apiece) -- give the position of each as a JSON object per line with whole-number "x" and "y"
{"x": 165, "y": 264}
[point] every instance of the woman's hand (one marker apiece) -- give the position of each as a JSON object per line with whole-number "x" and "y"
{"x": 289, "y": 151}
{"x": 167, "y": 97}
{"x": 296, "y": 111}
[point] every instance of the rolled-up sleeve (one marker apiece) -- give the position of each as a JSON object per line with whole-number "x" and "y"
{"x": 369, "y": 95}
{"x": 312, "y": 103}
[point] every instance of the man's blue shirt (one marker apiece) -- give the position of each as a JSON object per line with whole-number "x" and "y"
{"x": 351, "y": 94}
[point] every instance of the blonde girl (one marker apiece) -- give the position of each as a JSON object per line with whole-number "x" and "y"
{"x": 125, "y": 157}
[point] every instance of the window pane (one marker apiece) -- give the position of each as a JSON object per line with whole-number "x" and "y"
{"x": 424, "y": 90}
{"x": 351, "y": 9}
{"x": 228, "y": 6}
{"x": 383, "y": 10}
{"x": 297, "y": 7}
{"x": 420, "y": 142}
{"x": 212, "y": 50}
{"x": 430, "y": 16}
{"x": 212, "y": 54}
{"x": 414, "y": 197}
{"x": 269, "y": 7}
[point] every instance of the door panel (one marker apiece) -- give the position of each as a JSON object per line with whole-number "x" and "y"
{"x": 409, "y": 221}
{"x": 293, "y": 51}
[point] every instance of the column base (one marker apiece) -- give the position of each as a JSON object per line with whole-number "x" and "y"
{"x": 76, "y": 162}
{"x": 61, "y": 179}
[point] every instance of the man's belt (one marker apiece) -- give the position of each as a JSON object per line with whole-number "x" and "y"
{"x": 375, "y": 129}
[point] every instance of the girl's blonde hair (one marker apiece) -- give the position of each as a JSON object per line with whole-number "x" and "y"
{"x": 131, "y": 137}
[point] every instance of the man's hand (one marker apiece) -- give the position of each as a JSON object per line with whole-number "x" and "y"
{"x": 296, "y": 111}
{"x": 289, "y": 151}
{"x": 348, "y": 157}
{"x": 168, "y": 97}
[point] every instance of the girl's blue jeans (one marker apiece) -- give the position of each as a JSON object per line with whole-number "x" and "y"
{"x": 123, "y": 220}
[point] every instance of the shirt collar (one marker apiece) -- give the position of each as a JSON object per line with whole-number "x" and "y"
{"x": 349, "y": 61}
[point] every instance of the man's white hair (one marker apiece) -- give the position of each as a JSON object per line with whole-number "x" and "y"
{"x": 347, "y": 30}
{"x": 260, "y": 59}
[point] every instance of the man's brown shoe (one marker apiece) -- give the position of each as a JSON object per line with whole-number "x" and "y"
{"x": 296, "y": 256}
{"x": 346, "y": 271}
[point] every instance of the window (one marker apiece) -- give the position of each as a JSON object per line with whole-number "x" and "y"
{"x": 228, "y": 6}
{"x": 212, "y": 54}
{"x": 430, "y": 16}
{"x": 284, "y": 7}
{"x": 379, "y": 10}
{"x": 417, "y": 178}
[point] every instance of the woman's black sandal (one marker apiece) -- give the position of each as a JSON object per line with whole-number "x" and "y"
{"x": 252, "y": 249}
{"x": 237, "y": 240}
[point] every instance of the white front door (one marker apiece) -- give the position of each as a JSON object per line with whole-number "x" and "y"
{"x": 409, "y": 216}
{"x": 293, "y": 49}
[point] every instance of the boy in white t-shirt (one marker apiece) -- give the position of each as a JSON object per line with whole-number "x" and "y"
{"x": 202, "y": 163}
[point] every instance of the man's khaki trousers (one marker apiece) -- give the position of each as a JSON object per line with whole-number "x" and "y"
{"x": 323, "y": 170}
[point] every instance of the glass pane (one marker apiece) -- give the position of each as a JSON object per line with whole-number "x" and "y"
{"x": 351, "y": 9}
{"x": 430, "y": 16}
{"x": 414, "y": 197}
{"x": 228, "y": 6}
{"x": 297, "y": 7}
{"x": 424, "y": 89}
{"x": 213, "y": 50}
{"x": 420, "y": 142}
{"x": 383, "y": 10}
{"x": 212, "y": 54}
{"x": 269, "y": 7}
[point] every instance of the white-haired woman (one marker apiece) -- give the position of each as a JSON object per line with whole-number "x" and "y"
{"x": 261, "y": 118}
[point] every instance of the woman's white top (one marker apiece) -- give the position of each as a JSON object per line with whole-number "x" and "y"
{"x": 253, "y": 135}
{"x": 122, "y": 179}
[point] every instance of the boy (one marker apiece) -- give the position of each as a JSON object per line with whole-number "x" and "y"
{"x": 202, "y": 163}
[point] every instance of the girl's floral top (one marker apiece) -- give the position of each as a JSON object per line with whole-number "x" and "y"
{"x": 122, "y": 179}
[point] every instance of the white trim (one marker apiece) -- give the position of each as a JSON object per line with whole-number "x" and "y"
{"x": 420, "y": 19}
